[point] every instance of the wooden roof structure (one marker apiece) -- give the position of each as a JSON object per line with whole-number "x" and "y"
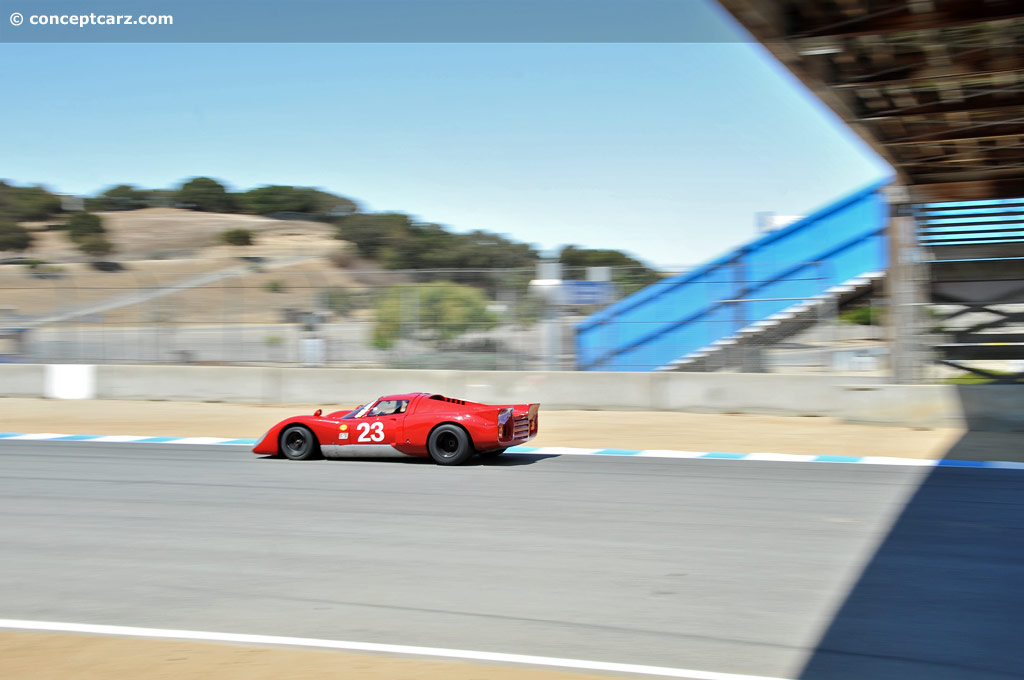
{"x": 936, "y": 87}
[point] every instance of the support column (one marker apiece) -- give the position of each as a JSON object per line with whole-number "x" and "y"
{"x": 906, "y": 290}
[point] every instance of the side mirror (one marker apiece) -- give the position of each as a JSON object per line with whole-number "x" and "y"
{"x": 318, "y": 412}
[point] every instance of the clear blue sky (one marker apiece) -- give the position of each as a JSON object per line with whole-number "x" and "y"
{"x": 665, "y": 151}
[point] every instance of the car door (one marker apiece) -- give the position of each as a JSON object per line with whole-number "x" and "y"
{"x": 381, "y": 430}
{"x": 375, "y": 429}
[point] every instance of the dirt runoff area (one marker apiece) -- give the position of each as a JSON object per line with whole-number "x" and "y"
{"x": 54, "y": 656}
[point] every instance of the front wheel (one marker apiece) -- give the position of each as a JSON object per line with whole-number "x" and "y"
{"x": 298, "y": 443}
{"x": 449, "y": 445}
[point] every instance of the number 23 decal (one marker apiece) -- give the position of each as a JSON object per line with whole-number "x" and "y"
{"x": 371, "y": 432}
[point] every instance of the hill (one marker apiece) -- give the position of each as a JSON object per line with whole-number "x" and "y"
{"x": 171, "y": 233}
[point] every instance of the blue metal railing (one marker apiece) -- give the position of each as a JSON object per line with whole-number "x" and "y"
{"x": 682, "y": 314}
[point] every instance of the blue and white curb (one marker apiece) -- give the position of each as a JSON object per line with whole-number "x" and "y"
{"x": 549, "y": 451}
{"x": 769, "y": 457}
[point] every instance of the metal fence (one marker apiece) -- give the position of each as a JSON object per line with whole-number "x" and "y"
{"x": 289, "y": 310}
{"x": 307, "y": 312}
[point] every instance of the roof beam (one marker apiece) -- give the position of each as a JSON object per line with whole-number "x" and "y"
{"x": 885, "y": 78}
{"x": 979, "y": 65}
{"x": 973, "y": 133}
{"x": 978, "y": 104}
{"x": 900, "y": 19}
{"x": 954, "y": 99}
{"x": 938, "y": 192}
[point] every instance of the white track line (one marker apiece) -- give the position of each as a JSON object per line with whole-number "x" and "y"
{"x": 663, "y": 453}
{"x": 119, "y": 438}
{"x": 497, "y": 657}
{"x": 202, "y": 441}
{"x": 562, "y": 451}
{"x": 782, "y": 457}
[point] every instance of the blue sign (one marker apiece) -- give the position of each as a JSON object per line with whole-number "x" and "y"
{"x": 587, "y": 292}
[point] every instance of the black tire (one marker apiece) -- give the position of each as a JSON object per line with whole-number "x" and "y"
{"x": 449, "y": 445}
{"x": 492, "y": 454}
{"x": 299, "y": 443}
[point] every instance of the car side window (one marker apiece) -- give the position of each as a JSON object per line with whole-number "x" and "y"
{"x": 388, "y": 407}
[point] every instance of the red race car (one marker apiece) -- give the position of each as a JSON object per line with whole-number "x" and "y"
{"x": 417, "y": 424}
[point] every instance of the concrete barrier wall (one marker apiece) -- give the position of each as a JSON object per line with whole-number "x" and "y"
{"x": 855, "y": 399}
{"x": 22, "y": 380}
{"x": 245, "y": 385}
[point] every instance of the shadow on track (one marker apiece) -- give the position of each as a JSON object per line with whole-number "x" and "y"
{"x": 942, "y": 596}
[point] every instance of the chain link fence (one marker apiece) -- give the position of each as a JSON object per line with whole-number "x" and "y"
{"x": 305, "y": 311}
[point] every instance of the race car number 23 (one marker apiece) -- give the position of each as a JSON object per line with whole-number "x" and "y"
{"x": 371, "y": 432}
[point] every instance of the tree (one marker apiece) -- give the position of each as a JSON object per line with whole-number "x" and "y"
{"x": 14, "y": 236}
{"x": 372, "y": 232}
{"x": 395, "y": 241}
{"x": 82, "y": 224}
{"x": 442, "y": 310}
{"x": 628, "y": 272}
{"x": 22, "y": 204}
{"x": 331, "y": 206}
{"x": 206, "y": 195}
{"x": 120, "y": 197}
{"x": 484, "y": 250}
{"x": 237, "y": 237}
{"x": 276, "y": 199}
{"x": 95, "y": 245}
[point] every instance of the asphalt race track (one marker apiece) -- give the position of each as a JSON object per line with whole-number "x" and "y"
{"x": 787, "y": 570}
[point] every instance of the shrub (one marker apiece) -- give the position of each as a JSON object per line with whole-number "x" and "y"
{"x": 95, "y": 245}
{"x": 862, "y": 316}
{"x": 83, "y": 224}
{"x": 338, "y": 300}
{"x": 342, "y": 258}
{"x": 14, "y": 237}
{"x": 237, "y": 237}
{"x": 443, "y": 310}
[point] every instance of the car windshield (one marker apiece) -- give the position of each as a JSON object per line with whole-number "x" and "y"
{"x": 354, "y": 413}
{"x": 380, "y": 407}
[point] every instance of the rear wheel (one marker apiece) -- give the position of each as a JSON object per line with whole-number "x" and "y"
{"x": 298, "y": 443}
{"x": 449, "y": 445}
